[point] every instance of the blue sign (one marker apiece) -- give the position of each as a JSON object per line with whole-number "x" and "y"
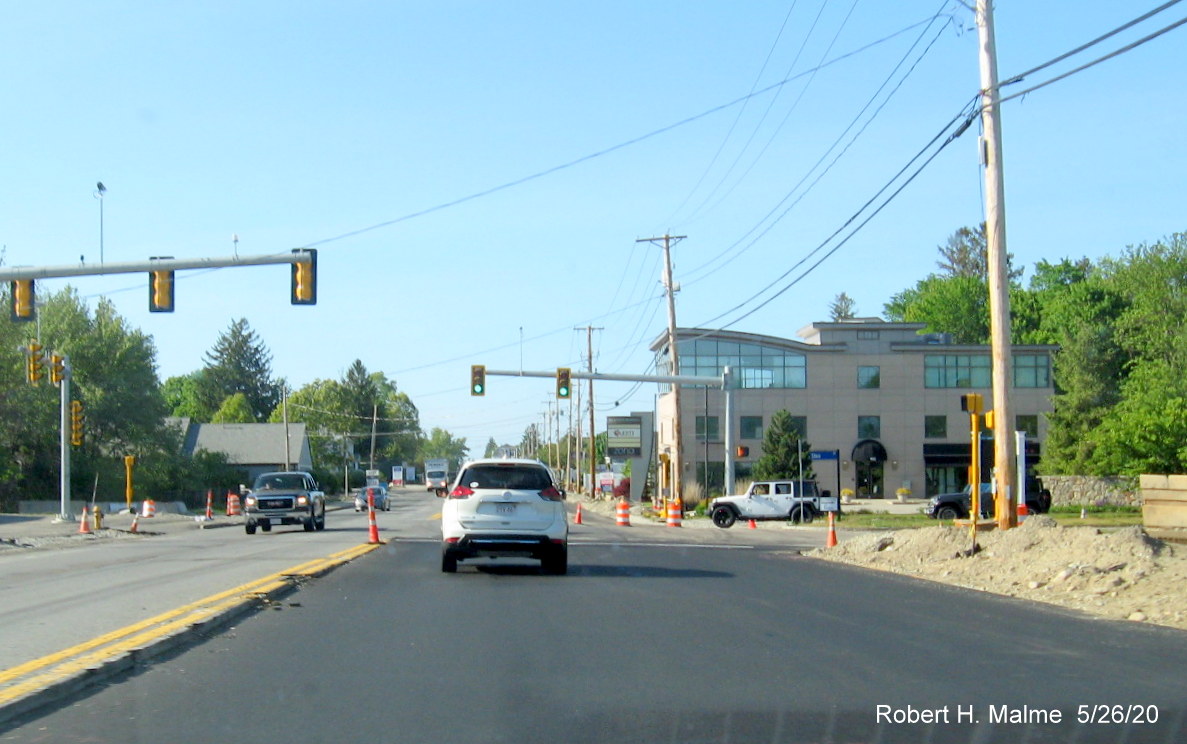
{"x": 826, "y": 455}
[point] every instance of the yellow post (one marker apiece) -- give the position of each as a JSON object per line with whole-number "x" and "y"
{"x": 129, "y": 462}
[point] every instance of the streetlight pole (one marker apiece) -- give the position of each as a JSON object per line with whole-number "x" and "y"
{"x": 100, "y": 190}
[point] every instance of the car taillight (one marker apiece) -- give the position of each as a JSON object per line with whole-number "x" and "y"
{"x": 461, "y": 492}
{"x": 551, "y": 494}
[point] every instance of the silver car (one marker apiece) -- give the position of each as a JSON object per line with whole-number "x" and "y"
{"x": 378, "y": 496}
{"x": 505, "y": 508}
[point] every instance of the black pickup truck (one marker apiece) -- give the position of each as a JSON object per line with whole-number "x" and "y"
{"x": 957, "y": 505}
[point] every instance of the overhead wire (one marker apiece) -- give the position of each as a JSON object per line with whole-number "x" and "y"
{"x": 730, "y": 250}
{"x": 795, "y": 105}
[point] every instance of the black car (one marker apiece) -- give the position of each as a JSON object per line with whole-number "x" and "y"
{"x": 957, "y": 506}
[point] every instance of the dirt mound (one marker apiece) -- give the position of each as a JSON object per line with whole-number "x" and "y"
{"x": 1122, "y": 574}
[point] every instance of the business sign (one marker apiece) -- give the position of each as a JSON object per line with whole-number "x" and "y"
{"x": 624, "y": 436}
{"x": 826, "y": 455}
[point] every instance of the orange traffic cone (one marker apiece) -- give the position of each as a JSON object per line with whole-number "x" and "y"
{"x": 831, "y": 541}
{"x": 374, "y": 528}
{"x": 622, "y": 514}
{"x": 577, "y": 519}
{"x": 753, "y": 525}
{"x": 135, "y": 523}
{"x": 209, "y": 504}
{"x": 84, "y": 527}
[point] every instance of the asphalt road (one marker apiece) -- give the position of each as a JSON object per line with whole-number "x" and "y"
{"x": 680, "y": 636}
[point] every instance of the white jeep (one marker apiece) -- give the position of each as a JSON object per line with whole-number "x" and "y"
{"x": 798, "y": 501}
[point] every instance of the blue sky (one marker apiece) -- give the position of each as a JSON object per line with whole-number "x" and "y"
{"x": 291, "y": 124}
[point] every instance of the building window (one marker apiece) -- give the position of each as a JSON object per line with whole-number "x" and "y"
{"x": 1032, "y": 370}
{"x": 751, "y": 427}
{"x": 753, "y": 366}
{"x": 869, "y": 427}
{"x": 957, "y": 371}
{"x": 1029, "y": 423}
{"x": 935, "y": 427}
{"x": 868, "y": 377}
{"x": 867, "y": 335}
{"x": 707, "y": 429}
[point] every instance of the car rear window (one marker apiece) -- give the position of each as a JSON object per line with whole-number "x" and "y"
{"x": 513, "y": 477}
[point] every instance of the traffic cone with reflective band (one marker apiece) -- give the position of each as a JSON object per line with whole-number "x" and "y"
{"x": 831, "y": 541}
{"x": 675, "y": 515}
{"x": 84, "y": 527}
{"x": 233, "y": 507}
{"x": 209, "y": 503}
{"x": 135, "y": 523}
{"x": 374, "y": 537}
{"x": 622, "y": 514}
{"x": 577, "y": 519}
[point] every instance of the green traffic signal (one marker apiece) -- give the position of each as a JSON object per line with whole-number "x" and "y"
{"x": 477, "y": 379}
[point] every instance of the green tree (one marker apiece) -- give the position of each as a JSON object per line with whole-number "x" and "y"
{"x": 842, "y": 308}
{"x": 491, "y": 448}
{"x": 234, "y": 410}
{"x": 113, "y": 375}
{"x": 957, "y": 305}
{"x": 239, "y": 363}
{"x": 966, "y": 253}
{"x": 440, "y": 443}
{"x": 182, "y": 397}
{"x": 785, "y": 454}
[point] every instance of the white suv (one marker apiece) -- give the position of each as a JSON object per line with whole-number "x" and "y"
{"x": 505, "y": 508}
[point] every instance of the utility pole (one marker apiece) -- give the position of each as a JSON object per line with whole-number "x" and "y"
{"x": 593, "y": 449}
{"x": 995, "y": 241}
{"x": 677, "y": 461}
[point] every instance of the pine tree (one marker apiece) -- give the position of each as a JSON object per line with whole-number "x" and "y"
{"x": 239, "y": 363}
{"x": 786, "y": 455}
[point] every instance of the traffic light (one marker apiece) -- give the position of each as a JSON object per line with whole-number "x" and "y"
{"x": 36, "y": 363}
{"x": 76, "y": 419}
{"x": 160, "y": 292}
{"x": 477, "y": 379}
{"x": 57, "y": 368}
{"x": 304, "y": 284}
{"x": 989, "y": 421}
{"x": 972, "y": 403}
{"x": 22, "y": 294}
{"x": 564, "y": 385}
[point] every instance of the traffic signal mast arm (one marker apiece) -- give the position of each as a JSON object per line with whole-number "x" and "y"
{"x": 717, "y": 381}
{"x": 14, "y": 273}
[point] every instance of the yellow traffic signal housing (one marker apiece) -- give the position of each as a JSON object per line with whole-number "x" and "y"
{"x": 477, "y": 379}
{"x": 76, "y": 421}
{"x": 972, "y": 403}
{"x": 989, "y": 420}
{"x": 304, "y": 279}
{"x": 23, "y": 296}
{"x": 36, "y": 363}
{"x": 57, "y": 368}
{"x": 160, "y": 292}
{"x": 564, "y": 384}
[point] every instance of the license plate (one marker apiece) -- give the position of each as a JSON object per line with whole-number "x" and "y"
{"x": 504, "y": 508}
{"x": 275, "y": 520}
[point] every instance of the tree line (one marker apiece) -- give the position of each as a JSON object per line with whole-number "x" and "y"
{"x": 129, "y": 411}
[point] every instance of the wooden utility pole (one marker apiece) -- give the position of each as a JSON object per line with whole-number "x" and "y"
{"x": 593, "y": 449}
{"x": 999, "y": 297}
{"x": 677, "y": 461}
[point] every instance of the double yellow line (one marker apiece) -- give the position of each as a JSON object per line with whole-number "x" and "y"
{"x": 72, "y": 665}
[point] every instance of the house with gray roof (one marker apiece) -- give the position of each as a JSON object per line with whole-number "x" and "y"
{"x": 254, "y": 448}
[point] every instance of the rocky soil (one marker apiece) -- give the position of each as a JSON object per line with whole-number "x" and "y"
{"x": 1122, "y": 574}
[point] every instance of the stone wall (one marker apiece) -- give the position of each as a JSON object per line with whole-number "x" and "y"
{"x": 1086, "y": 490}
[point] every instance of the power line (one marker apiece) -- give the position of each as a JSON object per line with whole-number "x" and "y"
{"x": 1097, "y": 61}
{"x": 855, "y": 137}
